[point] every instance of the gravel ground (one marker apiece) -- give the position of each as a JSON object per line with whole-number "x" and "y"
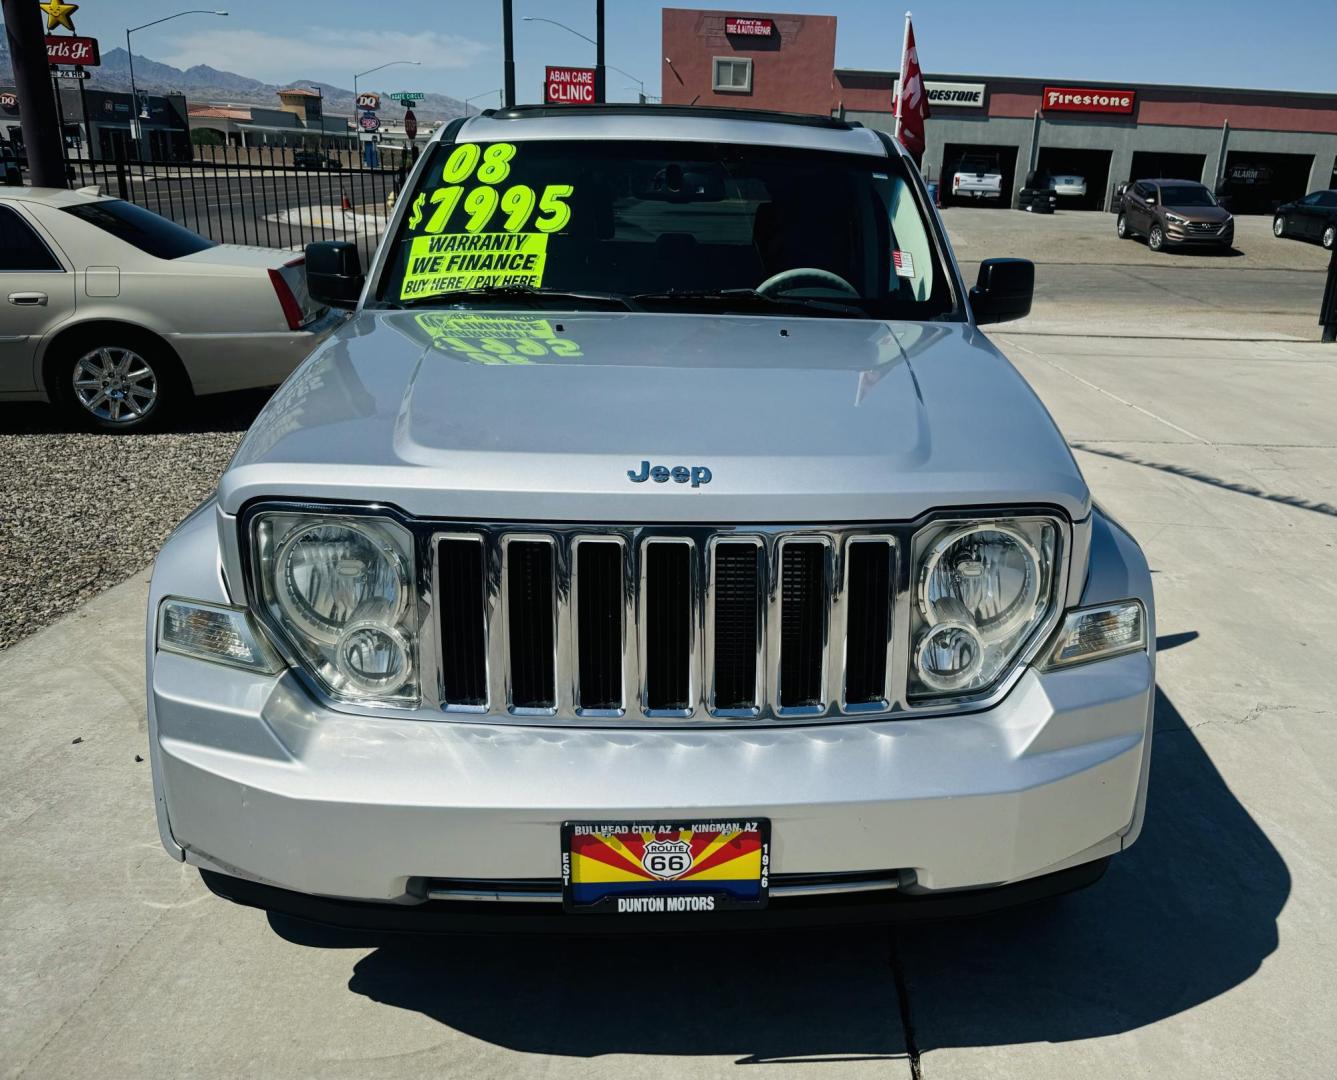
{"x": 82, "y": 512}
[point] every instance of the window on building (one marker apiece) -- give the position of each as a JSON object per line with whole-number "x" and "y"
{"x": 20, "y": 247}
{"x": 733, "y": 75}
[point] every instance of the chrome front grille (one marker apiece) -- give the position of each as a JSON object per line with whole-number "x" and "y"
{"x": 1207, "y": 227}
{"x": 665, "y": 624}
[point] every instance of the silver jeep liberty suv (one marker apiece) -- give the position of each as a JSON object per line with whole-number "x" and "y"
{"x": 659, "y": 543}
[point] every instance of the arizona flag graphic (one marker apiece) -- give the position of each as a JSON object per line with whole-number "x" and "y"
{"x": 665, "y": 865}
{"x": 911, "y": 104}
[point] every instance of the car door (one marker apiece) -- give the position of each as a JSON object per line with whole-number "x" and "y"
{"x": 1327, "y": 210}
{"x": 1307, "y": 215}
{"x": 36, "y": 294}
{"x": 1139, "y": 216}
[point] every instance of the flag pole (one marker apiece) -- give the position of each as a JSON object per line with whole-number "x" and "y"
{"x": 900, "y": 75}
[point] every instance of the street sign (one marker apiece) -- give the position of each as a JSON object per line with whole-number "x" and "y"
{"x": 410, "y": 124}
{"x": 569, "y": 86}
{"x": 73, "y": 73}
{"x": 369, "y": 101}
{"x": 369, "y": 122}
{"x": 67, "y": 49}
{"x": 406, "y": 97}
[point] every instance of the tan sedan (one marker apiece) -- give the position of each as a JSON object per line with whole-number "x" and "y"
{"x": 120, "y": 316}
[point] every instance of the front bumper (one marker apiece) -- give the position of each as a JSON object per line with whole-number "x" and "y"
{"x": 257, "y": 781}
{"x": 1182, "y": 234}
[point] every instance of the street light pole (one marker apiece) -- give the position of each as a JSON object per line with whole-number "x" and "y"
{"x": 130, "y": 55}
{"x": 372, "y": 71}
{"x": 599, "y": 61}
{"x": 483, "y": 94}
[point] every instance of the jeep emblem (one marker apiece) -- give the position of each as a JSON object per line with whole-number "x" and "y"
{"x": 662, "y": 474}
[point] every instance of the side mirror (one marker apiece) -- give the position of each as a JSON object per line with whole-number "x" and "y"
{"x": 334, "y": 273}
{"x": 1003, "y": 291}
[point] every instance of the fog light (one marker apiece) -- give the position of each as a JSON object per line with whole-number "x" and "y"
{"x": 373, "y": 657}
{"x": 950, "y": 656}
{"x": 214, "y": 632}
{"x": 1100, "y": 632}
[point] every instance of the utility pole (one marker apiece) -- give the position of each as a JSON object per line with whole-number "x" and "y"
{"x": 508, "y": 53}
{"x": 600, "y": 76}
{"x": 42, "y": 135}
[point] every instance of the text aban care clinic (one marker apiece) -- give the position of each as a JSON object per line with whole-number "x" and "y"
{"x": 568, "y": 86}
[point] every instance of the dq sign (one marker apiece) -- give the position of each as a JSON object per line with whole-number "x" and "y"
{"x": 369, "y": 101}
{"x": 568, "y": 86}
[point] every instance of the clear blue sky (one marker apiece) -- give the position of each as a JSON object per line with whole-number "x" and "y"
{"x": 1288, "y": 47}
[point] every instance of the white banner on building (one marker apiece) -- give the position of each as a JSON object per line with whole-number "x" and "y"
{"x": 956, "y": 95}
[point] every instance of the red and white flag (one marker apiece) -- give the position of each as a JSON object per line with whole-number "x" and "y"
{"x": 911, "y": 104}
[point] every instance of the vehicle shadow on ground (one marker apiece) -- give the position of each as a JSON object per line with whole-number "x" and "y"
{"x": 217, "y": 412}
{"x": 1185, "y": 915}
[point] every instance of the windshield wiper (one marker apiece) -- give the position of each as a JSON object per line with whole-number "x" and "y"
{"x": 522, "y": 292}
{"x": 752, "y": 300}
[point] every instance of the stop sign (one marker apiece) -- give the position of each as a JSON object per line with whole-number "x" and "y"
{"x": 410, "y": 124}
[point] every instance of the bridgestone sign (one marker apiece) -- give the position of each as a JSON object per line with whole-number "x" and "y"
{"x": 952, "y": 95}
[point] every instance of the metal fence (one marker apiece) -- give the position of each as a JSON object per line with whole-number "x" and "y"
{"x": 265, "y": 196}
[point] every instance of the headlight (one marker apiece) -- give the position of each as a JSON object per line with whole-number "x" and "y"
{"x": 340, "y": 592}
{"x": 981, "y": 590}
{"x": 1175, "y": 219}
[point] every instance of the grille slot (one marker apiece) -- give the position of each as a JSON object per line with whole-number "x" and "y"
{"x": 736, "y": 624}
{"x": 868, "y": 626}
{"x": 530, "y": 621}
{"x": 462, "y": 595}
{"x": 667, "y": 596}
{"x": 803, "y": 607}
{"x": 599, "y": 624}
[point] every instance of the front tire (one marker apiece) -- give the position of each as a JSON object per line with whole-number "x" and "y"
{"x": 1329, "y": 237}
{"x": 1121, "y": 226}
{"x": 116, "y": 382}
{"x": 1156, "y": 238}
{"x": 1279, "y": 227}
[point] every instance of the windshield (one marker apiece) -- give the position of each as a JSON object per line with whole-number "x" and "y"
{"x": 1186, "y": 195}
{"x": 666, "y": 226}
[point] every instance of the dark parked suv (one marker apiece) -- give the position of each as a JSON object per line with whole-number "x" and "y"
{"x": 1172, "y": 212}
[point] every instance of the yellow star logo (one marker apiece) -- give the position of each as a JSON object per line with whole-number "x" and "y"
{"x": 58, "y": 14}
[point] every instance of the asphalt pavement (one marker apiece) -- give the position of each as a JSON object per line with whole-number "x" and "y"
{"x": 1206, "y": 952}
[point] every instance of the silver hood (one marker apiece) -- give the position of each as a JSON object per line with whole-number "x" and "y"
{"x": 475, "y": 415}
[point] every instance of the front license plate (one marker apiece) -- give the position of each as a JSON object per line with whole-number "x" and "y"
{"x": 662, "y": 868}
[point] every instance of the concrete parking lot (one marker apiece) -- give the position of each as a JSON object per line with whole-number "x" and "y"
{"x": 1207, "y": 951}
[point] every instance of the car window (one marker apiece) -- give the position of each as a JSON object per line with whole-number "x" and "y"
{"x": 1186, "y": 195}
{"x": 1141, "y": 190}
{"x": 630, "y": 218}
{"x": 1329, "y": 198}
{"x": 20, "y": 247}
{"x": 141, "y": 228}
{"x": 1314, "y": 198}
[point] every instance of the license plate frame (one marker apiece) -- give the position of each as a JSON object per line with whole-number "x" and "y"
{"x": 599, "y": 878}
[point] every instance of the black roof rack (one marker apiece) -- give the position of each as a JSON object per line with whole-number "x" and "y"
{"x": 628, "y": 108}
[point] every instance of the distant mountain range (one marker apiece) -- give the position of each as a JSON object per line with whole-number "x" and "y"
{"x": 202, "y": 83}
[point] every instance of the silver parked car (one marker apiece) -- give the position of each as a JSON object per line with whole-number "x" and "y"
{"x": 119, "y": 315}
{"x": 660, "y": 540}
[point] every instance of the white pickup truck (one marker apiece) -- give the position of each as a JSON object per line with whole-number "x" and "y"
{"x": 977, "y": 177}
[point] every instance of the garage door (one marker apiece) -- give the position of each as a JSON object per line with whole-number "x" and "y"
{"x": 1149, "y": 165}
{"x": 1006, "y": 156}
{"x": 1092, "y": 165}
{"x": 1256, "y": 183}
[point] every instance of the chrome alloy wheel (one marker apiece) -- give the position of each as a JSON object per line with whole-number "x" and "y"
{"x": 1278, "y": 226}
{"x": 1329, "y": 237}
{"x": 115, "y": 384}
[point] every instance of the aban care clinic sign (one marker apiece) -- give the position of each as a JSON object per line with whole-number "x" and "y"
{"x": 568, "y": 86}
{"x": 1086, "y": 100}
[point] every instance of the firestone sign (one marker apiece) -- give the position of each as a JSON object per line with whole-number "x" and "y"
{"x": 952, "y": 94}
{"x": 741, "y": 27}
{"x": 568, "y": 86}
{"x": 63, "y": 49}
{"x": 1086, "y": 100}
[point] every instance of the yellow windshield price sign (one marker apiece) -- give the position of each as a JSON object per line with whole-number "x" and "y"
{"x": 453, "y": 261}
